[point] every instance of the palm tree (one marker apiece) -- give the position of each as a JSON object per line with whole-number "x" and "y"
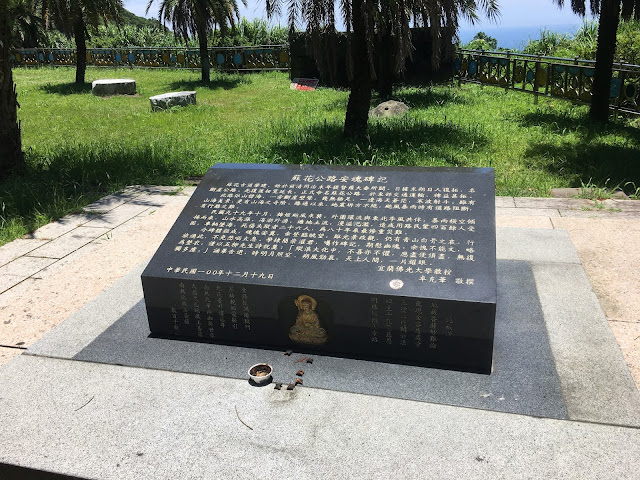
{"x": 366, "y": 20}
{"x": 24, "y": 23}
{"x": 72, "y": 18}
{"x": 199, "y": 17}
{"x": 610, "y": 12}
{"x": 13, "y": 15}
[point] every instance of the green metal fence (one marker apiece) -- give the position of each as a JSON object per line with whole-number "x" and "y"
{"x": 550, "y": 76}
{"x": 236, "y": 59}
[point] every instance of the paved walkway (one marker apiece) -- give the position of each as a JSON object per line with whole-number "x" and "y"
{"x": 52, "y": 273}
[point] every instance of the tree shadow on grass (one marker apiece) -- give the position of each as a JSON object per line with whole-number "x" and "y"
{"x": 395, "y": 141}
{"x": 224, "y": 82}
{"x": 66, "y": 88}
{"x": 421, "y": 98}
{"x": 605, "y": 155}
{"x": 66, "y": 179}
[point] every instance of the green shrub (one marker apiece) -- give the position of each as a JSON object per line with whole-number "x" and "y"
{"x": 585, "y": 42}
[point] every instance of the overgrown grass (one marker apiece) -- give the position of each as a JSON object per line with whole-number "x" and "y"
{"x": 79, "y": 147}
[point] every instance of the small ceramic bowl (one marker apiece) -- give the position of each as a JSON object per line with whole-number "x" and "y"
{"x": 261, "y": 373}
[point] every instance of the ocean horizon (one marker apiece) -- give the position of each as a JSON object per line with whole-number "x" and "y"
{"x": 516, "y": 37}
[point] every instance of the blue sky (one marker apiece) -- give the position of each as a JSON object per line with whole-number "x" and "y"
{"x": 514, "y": 13}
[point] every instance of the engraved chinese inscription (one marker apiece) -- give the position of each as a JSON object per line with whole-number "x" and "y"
{"x": 419, "y": 231}
{"x": 391, "y": 264}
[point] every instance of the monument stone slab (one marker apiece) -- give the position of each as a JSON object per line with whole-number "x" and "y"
{"x": 172, "y": 99}
{"x": 390, "y": 264}
{"x": 113, "y": 86}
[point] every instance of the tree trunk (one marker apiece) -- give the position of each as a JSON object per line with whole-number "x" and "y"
{"x": 11, "y": 156}
{"x": 355, "y": 123}
{"x": 386, "y": 68}
{"x": 79, "y": 30}
{"x": 607, "y": 30}
{"x": 44, "y": 14}
{"x": 204, "y": 50}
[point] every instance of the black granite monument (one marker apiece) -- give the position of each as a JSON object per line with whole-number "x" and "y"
{"x": 391, "y": 264}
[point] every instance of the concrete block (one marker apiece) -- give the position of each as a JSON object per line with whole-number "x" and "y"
{"x": 108, "y": 203}
{"x": 111, "y": 422}
{"x": 117, "y": 216}
{"x": 524, "y": 379}
{"x": 18, "y": 248}
{"x": 535, "y": 245}
{"x": 172, "y": 99}
{"x": 523, "y": 222}
{"x": 26, "y": 266}
{"x": 505, "y": 202}
{"x": 7, "y": 354}
{"x": 598, "y": 213}
{"x": 60, "y": 227}
{"x": 113, "y": 86}
{"x": 527, "y": 212}
{"x": 576, "y": 192}
{"x": 9, "y": 281}
{"x": 596, "y": 384}
{"x": 565, "y": 203}
{"x": 69, "y": 242}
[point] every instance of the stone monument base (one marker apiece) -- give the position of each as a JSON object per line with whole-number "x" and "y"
{"x": 172, "y": 99}
{"x": 113, "y": 86}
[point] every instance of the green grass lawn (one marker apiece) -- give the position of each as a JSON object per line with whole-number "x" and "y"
{"x": 80, "y": 147}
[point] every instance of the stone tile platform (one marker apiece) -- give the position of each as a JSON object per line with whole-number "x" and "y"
{"x": 96, "y": 398}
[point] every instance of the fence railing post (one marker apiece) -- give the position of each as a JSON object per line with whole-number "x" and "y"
{"x": 508, "y": 73}
{"x": 535, "y": 81}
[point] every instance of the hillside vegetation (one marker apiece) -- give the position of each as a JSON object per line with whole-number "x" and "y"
{"x": 135, "y": 31}
{"x": 582, "y": 45}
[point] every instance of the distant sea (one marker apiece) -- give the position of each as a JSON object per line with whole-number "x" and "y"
{"x": 515, "y": 37}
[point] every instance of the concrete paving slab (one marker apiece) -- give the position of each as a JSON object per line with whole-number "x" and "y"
{"x": 610, "y": 260}
{"x": 105, "y": 421}
{"x": 505, "y": 202}
{"x": 18, "y": 248}
{"x": 109, "y": 202}
{"x": 553, "y": 203}
{"x": 628, "y": 337}
{"x": 80, "y": 329}
{"x": 535, "y": 245}
{"x": 523, "y": 222}
{"x": 7, "y": 354}
{"x": 68, "y": 243}
{"x": 527, "y": 212}
{"x": 60, "y": 227}
{"x": 10, "y": 281}
{"x": 117, "y": 216}
{"x": 71, "y": 259}
{"x": 169, "y": 190}
{"x": 595, "y": 381}
{"x": 624, "y": 205}
{"x": 35, "y": 306}
{"x": 158, "y": 189}
{"x": 25, "y": 266}
{"x": 156, "y": 200}
{"x": 596, "y": 213}
{"x": 517, "y": 368}
{"x": 138, "y": 195}
{"x": 576, "y": 192}
{"x": 523, "y": 379}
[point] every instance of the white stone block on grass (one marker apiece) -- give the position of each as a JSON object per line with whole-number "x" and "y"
{"x": 113, "y": 86}
{"x": 172, "y": 99}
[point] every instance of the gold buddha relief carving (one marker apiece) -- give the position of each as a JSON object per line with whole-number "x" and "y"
{"x": 307, "y": 328}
